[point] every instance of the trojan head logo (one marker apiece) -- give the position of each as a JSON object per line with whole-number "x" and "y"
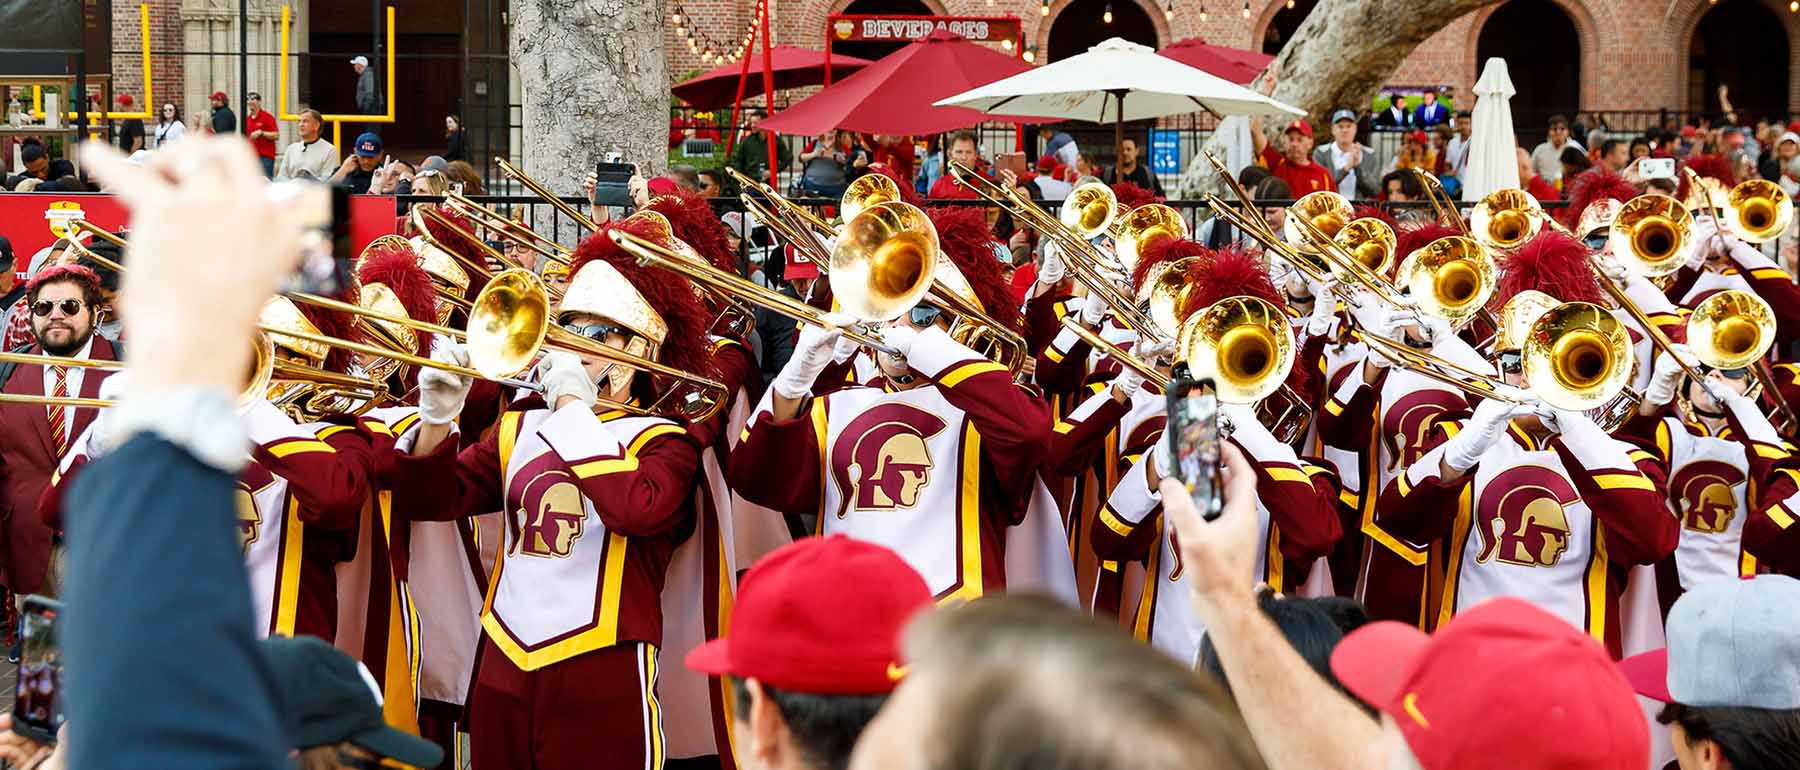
{"x": 252, "y": 480}
{"x": 61, "y": 216}
{"x": 549, "y": 513}
{"x": 880, "y": 461}
{"x": 1407, "y": 423}
{"x": 1703, "y": 490}
{"x": 843, "y": 28}
{"x": 1520, "y": 516}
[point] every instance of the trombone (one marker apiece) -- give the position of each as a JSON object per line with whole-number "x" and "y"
{"x": 510, "y": 325}
{"x": 262, "y": 363}
{"x": 1734, "y": 329}
{"x": 541, "y": 191}
{"x": 1758, "y": 210}
{"x": 504, "y": 227}
{"x": 1504, "y": 219}
{"x": 1083, "y": 259}
{"x": 1441, "y": 203}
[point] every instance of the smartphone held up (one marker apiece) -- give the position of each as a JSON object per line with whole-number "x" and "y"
{"x": 1193, "y": 443}
{"x": 37, "y": 710}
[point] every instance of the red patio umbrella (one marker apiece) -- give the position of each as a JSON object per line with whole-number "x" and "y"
{"x": 793, "y": 67}
{"x": 1234, "y": 64}
{"x": 894, "y": 95}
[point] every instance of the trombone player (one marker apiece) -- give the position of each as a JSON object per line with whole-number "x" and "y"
{"x": 937, "y": 457}
{"x": 595, "y": 505}
{"x": 1532, "y": 498}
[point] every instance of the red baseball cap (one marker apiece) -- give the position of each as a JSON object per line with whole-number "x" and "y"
{"x": 1300, "y": 125}
{"x": 797, "y": 265}
{"x": 661, "y": 185}
{"x": 1502, "y": 686}
{"x": 220, "y": 95}
{"x": 820, "y": 616}
{"x": 124, "y": 99}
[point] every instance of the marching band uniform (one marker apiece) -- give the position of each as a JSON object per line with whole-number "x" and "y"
{"x": 938, "y": 472}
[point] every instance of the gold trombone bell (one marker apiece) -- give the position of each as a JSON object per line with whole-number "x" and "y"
{"x": 1371, "y": 241}
{"x": 1088, "y": 211}
{"x": 885, "y": 262}
{"x": 1243, "y": 344}
{"x": 1577, "y": 356}
{"x": 1506, "y": 219}
{"x": 1758, "y": 210}
{"x": 1326, "y": 210}
{"x": 1732, "y": 329}
{"x": 1650, "y": 235}
{"x": 1450, "y": 278}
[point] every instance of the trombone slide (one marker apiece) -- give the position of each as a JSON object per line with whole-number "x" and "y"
{"x": 1124, "y": 357}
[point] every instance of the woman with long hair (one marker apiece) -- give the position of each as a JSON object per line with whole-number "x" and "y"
{"x": 453, "y": 137}
{"x": 168, "y": 124}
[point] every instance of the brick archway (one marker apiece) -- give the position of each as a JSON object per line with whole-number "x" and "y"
{"x": 1259, "y": 28}
{"x": 1041, "y": 37}
{"x": 1587, "y": 32}
{"x": 1683, "y": 20}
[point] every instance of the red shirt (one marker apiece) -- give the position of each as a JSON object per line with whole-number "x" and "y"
{"x": 1301, "y": 180}
{"x": 897, "y": 156}
{"x": 1542, "y": 190}
{"x": 947, "y": 187}
{"x": 261, "y": 121}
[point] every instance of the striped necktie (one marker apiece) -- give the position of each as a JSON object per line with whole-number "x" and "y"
{"x": 59, "y": 427}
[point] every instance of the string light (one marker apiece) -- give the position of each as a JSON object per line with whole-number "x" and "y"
{"x": 1793, "y": 6}
{"x": 677, "y": 18}
{"x": 1044, "y": 8}
{"x": 1169, "y": 11}
{"x": 1290, "y": 5}
{"x": 1030, "y": 54}
{"x": 1203, "y": 13}
{"x": 701, "y": 43}
{"x": 1006, "y": 44}
{"x": 1107, "y": 16}
{"x": 1246, "y": 9}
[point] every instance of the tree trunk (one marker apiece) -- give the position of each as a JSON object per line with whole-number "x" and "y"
{"x": 593, "y": 80}
{"x": 1340, "y": 56}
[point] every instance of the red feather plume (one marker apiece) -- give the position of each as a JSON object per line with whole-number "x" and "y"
{"x": 1227, "y": 272}
{"x": 397, "y": 268}
{"x": 462, "y": 246}
{"x": 1133, "y": 196}
{"x": 694, "y": 222}
{"x": 908, "y": 193}
{"x": 1552, "y": 263}
{"x": 1715, "y": 166}
{"x": 1162, "y": 251}
{"x": 332, "y": 323}
{"x": 964, "y": 237}
{"x": 1594, "y": 184}
{"x": 686, "y": 346}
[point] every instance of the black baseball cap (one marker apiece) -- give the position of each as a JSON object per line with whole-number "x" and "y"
{"x": 327, "y": 697}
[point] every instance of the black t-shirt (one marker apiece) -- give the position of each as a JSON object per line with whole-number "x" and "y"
{"x": 131, "y": 129}
{"x": 1139, "y": 176}
{"x": 224, "y": 121}
{"x": 358, "y": 180}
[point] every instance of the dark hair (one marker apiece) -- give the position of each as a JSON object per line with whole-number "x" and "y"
{"x": 965, "y": 136}
{"x": 825, "y": 727}
{"x": 1750, "y": 738}
{"x": 1307, "y": 624}
{"x": 1409, "y": 184}
{"x": 1574, "y": 157}
{"x": 31, "y": 153}
{"x": 1637, "y": 140}
{"x": 1129, "y": 138}
{"x": 314, "y": 113}
{"x": 1607, "y": 146}
{"x": 1465, "y": 114}
{"x": 109, "y": 278}
{"x": 461, "y": 171}
{"x": 1556, "y": 120}
{"x": 1664, "y": 186}
{"x": 253, "y": 95}
{"x": 1252, "y": 175}
{"x": 1272, "y": 188}
{"x": 61, "y": 167}
{"x": 713, "y": 174}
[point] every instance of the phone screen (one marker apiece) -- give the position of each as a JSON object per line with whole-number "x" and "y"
{"x": 37, "y": 711}
{"x": 613, "y": 183}
{"x": 1657, "y": 168}
{"x": 1192, "y": 441}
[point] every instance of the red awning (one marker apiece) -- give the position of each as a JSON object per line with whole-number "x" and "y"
{"x": 793, "y": 67}
{"x": 1234, "y": 64}
{"x": 895, "y": 95}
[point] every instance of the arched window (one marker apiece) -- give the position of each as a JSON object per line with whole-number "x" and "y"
{"x": 1082, "y": 25}
{"x": 1744, "y": 45}
{"x": 1543, "y": 55}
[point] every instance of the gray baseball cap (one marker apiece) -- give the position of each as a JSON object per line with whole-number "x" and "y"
{"x": 1343, "y": 115}
{"x": 1731, "y": 643}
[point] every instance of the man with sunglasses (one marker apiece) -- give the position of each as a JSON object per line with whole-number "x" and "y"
{"x": 1531, "y": 501}
{"x": 1723, "y": 457}
{"x": 936, "y": 458}
{"x": 33, "y": 439}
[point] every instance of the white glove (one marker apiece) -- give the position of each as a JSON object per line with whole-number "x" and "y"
{"x": 1614, "y": 271}
{"x": 1324, "y": 307}
{"x": 113, "y": 389}
{"x": 1127, "y": 384}
{"x": 562, "y": 374}
{"x": 1569, "y": 424}
{"x": 1093, "y": 310}
{"x": 1149, "y": 353}
{"x": 441, "y": 393}
{"x": 1465, "y": 448}
{"x": 1709, "y": 238}
{"x": 814, "y": 351}
{"x": 900, "y": 338}
{"x": 1053, "y": 270}
{"x": 1436, "y": 329}
{"x": 1667, "y": 374}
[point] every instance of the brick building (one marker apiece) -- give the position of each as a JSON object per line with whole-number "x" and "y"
{"x": 1565, "y": 55}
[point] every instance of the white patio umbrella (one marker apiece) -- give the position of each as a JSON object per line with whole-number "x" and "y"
{"x": 1493, "y": 157}
{"x": 1121, "y": 80}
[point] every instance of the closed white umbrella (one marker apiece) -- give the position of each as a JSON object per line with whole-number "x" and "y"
{"x": 1118, "y": 80}
{"x": 1493, "y": 154}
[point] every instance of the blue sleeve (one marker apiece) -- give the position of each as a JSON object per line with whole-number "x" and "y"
{"x": 163, "y": 667}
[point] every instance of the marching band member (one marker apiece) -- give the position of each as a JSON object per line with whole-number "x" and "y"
{"x": 1532, "y": 501}
{"x": 1713, "y": 449}
{"x": 936, "y": 459}
{"x": 1297, "y": 498}
{"x": 595, "y": 504}
{"x": 61, "y": 302}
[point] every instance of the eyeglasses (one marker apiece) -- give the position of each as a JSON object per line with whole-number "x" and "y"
{"x": 68, "y": 307}
{"x": 923, "y": 315}
{"x": 1512, "y": 361}
{"x": 596, "y": 332}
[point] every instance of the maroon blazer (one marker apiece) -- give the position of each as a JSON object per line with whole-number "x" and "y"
{"x": 27, "y": 460}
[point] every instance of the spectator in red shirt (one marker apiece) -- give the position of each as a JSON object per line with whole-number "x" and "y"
{"x": 260, "y": 128}
{"x": 964, "y": 150}
{"x": 1294, "y": 165}
{"x": 896, "y": 152}
{"x": 1534, "y": 184}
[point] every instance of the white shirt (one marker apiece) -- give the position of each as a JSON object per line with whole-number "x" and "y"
{"x": 1052, "y": 188}
{"x": 1457, "y": 154}
{"x": 72, "y": 381}
{"x": 319, "y": 158}
{"x": 1340, "y": 158}
{"x": 169, "y": 132}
